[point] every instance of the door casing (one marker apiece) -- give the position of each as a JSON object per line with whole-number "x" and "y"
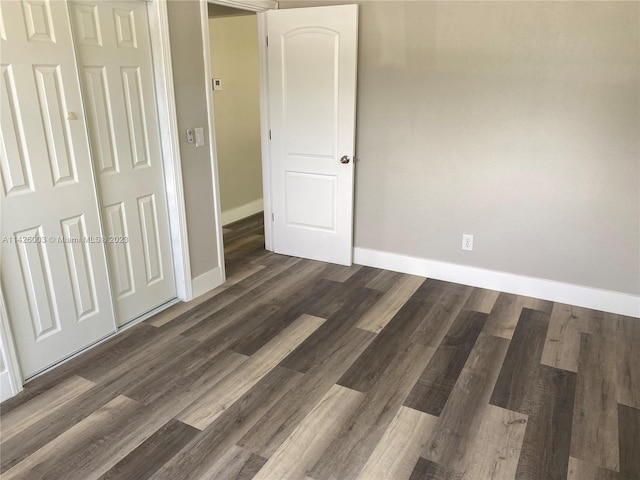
{"x": 259, "y": 7}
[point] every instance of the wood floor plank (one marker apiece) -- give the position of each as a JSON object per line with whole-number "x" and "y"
{"x": 428, "y": 470}
{"x": 307, "y": 442}
{"x": 628, "y": 363}
{"x": 233, "y": 277}
{"x": 361, "y": 431}
{"x": 386, "y": 308}
{"x": 40, "y": 433}
{"x": 385, "y": 280}
{"x": 376, "y": 358}
{"x": 273, "y": 428}
{"x": 206, "y": 452}
{"x": 236, "y": 464}
{"x": 254, "y": 285}
{"x": 583, "y": 470}
{"x": 219, "y": 398}
{"x": 113, "y": 366}
{"x": 195, "y": 371}
{"x": 127, "y": 340}
{"x": 453, "y": 437}
{"x": 362, "y": 277}
{"x": 519, "y": 372}
{"x": 434, "y": 386}
{"x": 506, "y": 311}
{"x": 543, "y": 393}
{"x": 546, "y": 444}
{"x": 147, "y": 458}
{"x": 497, "y": 446}
{"x": 286, "y": 283}
{"x": 60, "y": 458}
{"x": 339, "y": 297}
{"x": 292, "y": 307}
{"x": 442, "y": 314}
{"x": 47, "y": 403}
{"x": 399, "y": 448}
{"x": 594, "y": 435}
{"x": 481, "y": 300}
{"x": 340, "y": 273}
{"x": 629, "y": 431}
{"x": 566, "y": 324}
{"x": 327, "y": 337}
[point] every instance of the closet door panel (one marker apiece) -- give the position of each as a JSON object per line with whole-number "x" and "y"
{"x": 54, "y": 268}
{"x": 114, "y": 54}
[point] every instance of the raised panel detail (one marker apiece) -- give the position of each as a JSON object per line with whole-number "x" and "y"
{"x": 311, "y": 200}
{"x": 136, "y": 121}
{"x": 125, "y": 28}
{"x": 80, "y": 268}
{"x": 38, "y": 283}
{"x": 309, "y": 135}
{"x": 88, "y": 30}
{"x": 14, "y": 163}
{"x": 56, "y": 128}
{"x": 122, "y": 268}
{"x": 37, "y": 19}
{"x": 150, "y": 238}
{"x": 100, "y": 119}
{"x": 3, "y": 32}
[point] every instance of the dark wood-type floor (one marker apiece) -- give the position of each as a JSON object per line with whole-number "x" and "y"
{"x": 303, "y": 370}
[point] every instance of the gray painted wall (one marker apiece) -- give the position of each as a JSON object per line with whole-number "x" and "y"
{"x": 191, "y": 104}
{"x": 517, "y": 122}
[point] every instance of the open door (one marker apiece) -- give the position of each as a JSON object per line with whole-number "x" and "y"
{"x": 312, "y": 58}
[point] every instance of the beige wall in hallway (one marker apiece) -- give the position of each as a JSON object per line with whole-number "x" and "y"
{"x": 191, "y": 104}
{"x": 234, "y": 59}
{"x": 517, "y": 122}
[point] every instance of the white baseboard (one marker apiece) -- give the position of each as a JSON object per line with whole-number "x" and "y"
{"x": 207, "y": 281}
{"x": 588, "y": 297}
{"x": 6, "y": 390}
{"x": 242, "y": 211}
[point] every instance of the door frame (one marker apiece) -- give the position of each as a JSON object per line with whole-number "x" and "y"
{"x": 174, "y": 187}
{"x": 169, "y": 136}
{"x": 260, "y": 7}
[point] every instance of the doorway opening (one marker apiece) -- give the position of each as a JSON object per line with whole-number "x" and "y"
{"x": 235, "y": 89}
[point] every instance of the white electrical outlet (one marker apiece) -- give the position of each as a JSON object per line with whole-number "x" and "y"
{"x": 467, "y": 241}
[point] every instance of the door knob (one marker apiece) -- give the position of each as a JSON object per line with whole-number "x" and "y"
{"x": 345, "y": 159}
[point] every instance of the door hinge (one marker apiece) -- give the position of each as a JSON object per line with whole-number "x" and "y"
{"x": 273, "y": 217}
{"x": 267, "y": 41}
{"x": 269, "y": 134}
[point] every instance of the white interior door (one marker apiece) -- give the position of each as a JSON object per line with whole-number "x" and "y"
{"x": 115, "y": 62}
{"x": 56, "y": 285}
{"x": 312, "y": 58}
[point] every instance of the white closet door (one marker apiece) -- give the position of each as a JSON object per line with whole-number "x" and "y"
{"x": 57, "y": 293}
{"x": 114, "y": 56}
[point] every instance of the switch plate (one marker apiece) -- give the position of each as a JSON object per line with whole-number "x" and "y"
{"x": 467, "y": 241}
{"x": 217, "y": 84}
{"x": 199, "y": 137}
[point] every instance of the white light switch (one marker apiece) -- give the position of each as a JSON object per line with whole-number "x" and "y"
{"x": 199, "y": 137}
{"x": 217, "y": 84}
